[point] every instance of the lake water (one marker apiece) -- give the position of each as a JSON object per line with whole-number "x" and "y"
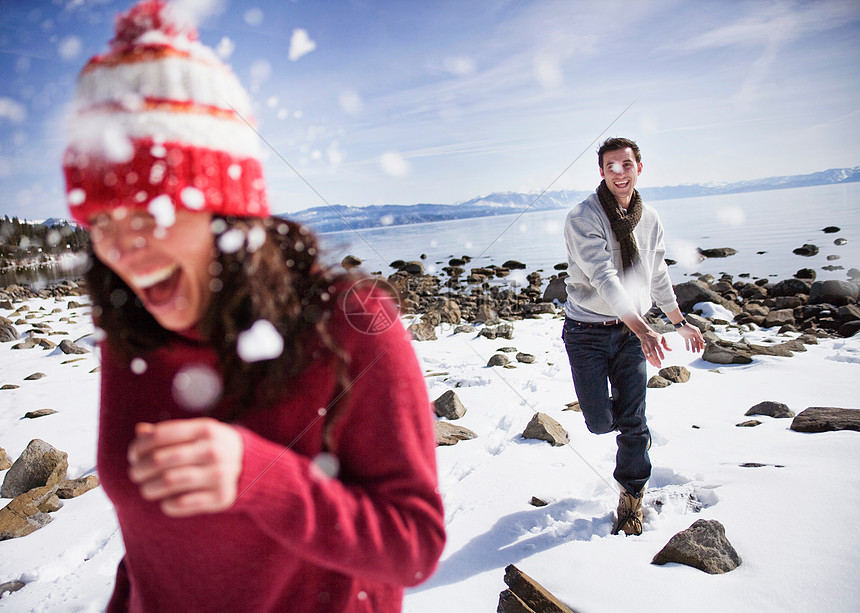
{"x": 774, "y": 222}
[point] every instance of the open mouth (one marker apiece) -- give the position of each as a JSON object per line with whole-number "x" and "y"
{"x": 158, "y": 286}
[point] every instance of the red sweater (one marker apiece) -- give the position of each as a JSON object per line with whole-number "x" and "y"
{"x": 293, "y": 541}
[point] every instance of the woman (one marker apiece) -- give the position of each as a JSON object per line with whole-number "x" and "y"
{"x": 265, "y": 448}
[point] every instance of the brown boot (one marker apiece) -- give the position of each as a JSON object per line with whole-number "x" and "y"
{"x": 629, "y": 513}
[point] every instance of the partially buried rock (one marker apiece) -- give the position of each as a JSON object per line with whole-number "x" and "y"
{"x": 450, "y": 434}
{"x": 657, "y": 382}
{"x": 525, "y": 358}
{"x": 423, "y": 330}
{"x": 675, "y": 374}
{"x": 499, "y": 359}
{"x": 704, "y": 546}
{"x": 544, "y": 428}
{"x": 769, "y": 408}
{"x": 807, "y": 250}
{"x": 67, "y": 347}
{"x": 4, "y": 460}
{"x": 448, "y": 405}
{"x": 40, "y": 464}
{"x": 525, "y": 595}
{"x": 826, "y": 419}
{"x": 38, "y": 413}
{"x": 750, "y": 423}
{"x": 72, "y": 488}
{"x": 27, "y": 512}
{"x": 718, "y": 252}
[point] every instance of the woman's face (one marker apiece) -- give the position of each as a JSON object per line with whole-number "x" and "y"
{"x": 166, "y": 266}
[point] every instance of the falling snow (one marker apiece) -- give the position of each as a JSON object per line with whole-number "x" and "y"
{"x": 260, "y": 342}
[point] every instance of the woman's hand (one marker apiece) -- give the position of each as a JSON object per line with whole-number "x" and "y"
{"x": 190, "y": 466}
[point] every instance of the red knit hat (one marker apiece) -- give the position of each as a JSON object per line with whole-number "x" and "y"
{"x": 160, "y": 115}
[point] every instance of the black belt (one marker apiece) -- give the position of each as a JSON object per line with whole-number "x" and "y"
{"x": 611, "y": 322}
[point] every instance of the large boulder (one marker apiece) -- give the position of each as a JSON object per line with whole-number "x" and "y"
{"x": 833, "y": 292}
{"x": 690, "y": 293}
{"x": 826, "y": 419}
{"x": 40, "y": 464}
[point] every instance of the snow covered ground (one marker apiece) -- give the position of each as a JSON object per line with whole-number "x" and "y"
{"x": 792, "y": 521}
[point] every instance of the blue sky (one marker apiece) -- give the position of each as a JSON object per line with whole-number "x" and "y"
{"x": 441, "y": 101}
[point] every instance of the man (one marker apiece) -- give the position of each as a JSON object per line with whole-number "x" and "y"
{"x": 615, "y": 270}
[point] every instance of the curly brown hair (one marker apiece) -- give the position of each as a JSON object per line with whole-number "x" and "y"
{"x": 281, "y": 280}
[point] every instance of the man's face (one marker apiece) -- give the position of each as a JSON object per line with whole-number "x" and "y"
{"x": 621, "y": 171}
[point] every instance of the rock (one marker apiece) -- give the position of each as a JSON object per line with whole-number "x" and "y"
{"x": 826, "y": 419}
{"x": 807, "y": 250}
{"x": 35, "y": 376}
{"x": 525, "y": 358}
{"x": 9, "y": 386}
{"x": 538, "y": 308}
{"x": 545, "y": 428}
{"x": 4, "y": 460}
{"x": 778, "y": 318}
{"x": 656, "y": 382}
{"x": 719, "y": 354}
{"x": 537, "y": 502}
{"x": 72, "y": 488}
{"x": 833, "y": 292}
{"x": 770, "y": 409}
{"x": 831, "y": 230}
{"x": 704, "y": 546}
{"x": 448, "y": 405}
{"x": 499, "y": 359}
{"x": 38, "y": 413}
{"x": 448, "y": 311}
{"x": 849, "y": 329}
{"x": 450, "y": 434}
{"x": 10, "y": 586}
{"x": 691, "y": 293}
{"x": 751, "y": 423}
{"x": 8, "y": 332}
{"x": 556, "y": 289}
{"x": 514, "y": 265}
{"x": 718, "y": 252}
{"x": 464, "y": 329}
{"x": 503, "y": 330}
{"x": 675, "y": 374}
{"x": 790, "y": 287}
{"x": 486, "y": 315}
{"x": 525, "y": 595}
{"x": 350, "y": 261}
{"x": 573, "y": 406}
{"x": 840, "y": 241}
{"x": 805, "y": 273}
{"x": 23, "y": 515}
{"x": 413, "y": 268}
{"x": 40, "y": 464}
{"x": 700, "y": 322}
{"x": 423, "y": 330}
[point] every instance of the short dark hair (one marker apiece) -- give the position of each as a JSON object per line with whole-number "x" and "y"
{"x": 616, "y": 144}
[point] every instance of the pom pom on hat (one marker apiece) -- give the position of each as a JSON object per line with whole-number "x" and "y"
{"x": 159, "y": 114}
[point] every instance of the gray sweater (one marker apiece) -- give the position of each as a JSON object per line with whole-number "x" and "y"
{"x": 597, "y": 290}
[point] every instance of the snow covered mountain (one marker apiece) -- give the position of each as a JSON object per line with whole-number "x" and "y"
{"x": 339, "y": 217}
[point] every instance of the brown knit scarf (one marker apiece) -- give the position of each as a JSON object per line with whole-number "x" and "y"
{"x": 622, "y": 224}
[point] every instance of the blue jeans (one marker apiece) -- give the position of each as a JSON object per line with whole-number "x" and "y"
{"x": 598, "y": 354}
